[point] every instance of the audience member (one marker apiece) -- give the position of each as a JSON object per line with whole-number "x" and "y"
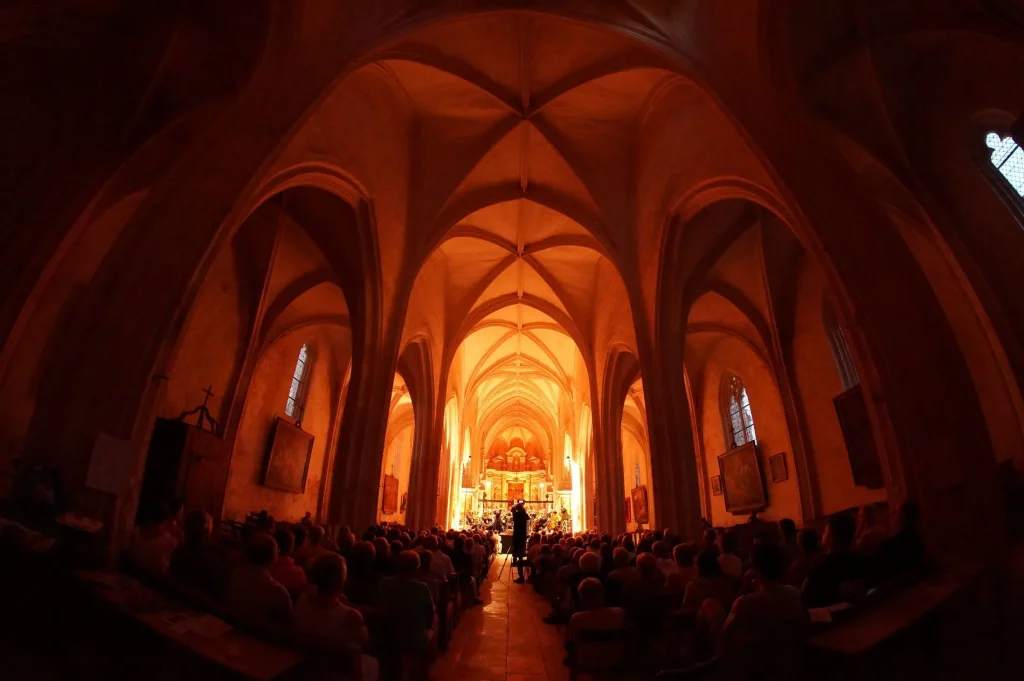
{"x": 763, "y": 628}
{"x": 732, "y": 565}
{"x": 685, "y": 573}
{"x": 196, "y": 563}
{"x": 808, "y": 558}
{"x": 252, "y": 593}
{"x": 312, "y": 548}
{"x": 429, "y": 577}
{"x": 409, "y": 601}
{"x": 840, "y": 575}
{"x": 361, "y": 588}
{"x": 284, "y": 570}
{"x": 710, "y": 583}
{"x": 870, "y": 533}
{"x": 665, "y": 562}
{"x": 325, "y": 612}
{"x": 595, "y": 616}
{"x": 904, "y": 553}
{"x": 152, "y": 545}
{"x": 441, "y": 564}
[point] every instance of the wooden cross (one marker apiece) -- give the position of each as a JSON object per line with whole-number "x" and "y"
{"x": 209, "y": 393}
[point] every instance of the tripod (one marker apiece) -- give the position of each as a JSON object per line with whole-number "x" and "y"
{"x": 507, "y": 552}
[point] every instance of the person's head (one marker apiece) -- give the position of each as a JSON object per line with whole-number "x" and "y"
{"x": 628, "y": 544}
{"x": 590, "y": 563}
{"x": 316, "y": 534}
{"x": 426, "y": 560}
{"x": 660, "y": 549}
{"x": 730, "y": 542}
{"x": 683, "y": 555}
{"x": 647, "y": 563}
{"x": 787, "y": 528}
{"x": 621, "y": 557}
{"x": 261, "y": 550}
{"x": 710, "y": 535}
{"x": 430, "y": 542}
{"x": 575, "y": 556}
{"x": 361, "y": 557}
{"x": 842, "y": 529}
{"x": 708, "y": 566}
{"x": 346, "y": 540}
{"x": 591, "y": 593}
{"x": 285, "y": 541}
{"x": 381, "y": 546}
{"x": 910, "y": 514}
{"x": 328, "y": 574}
{"x": 407, "y": 563}
{"x": 768, "y": 562}
{"x": 397, "y": 547}
{"x": 810, "y": 542}
{"x": 197, "y": 527}
{"x": 300, "y": 535}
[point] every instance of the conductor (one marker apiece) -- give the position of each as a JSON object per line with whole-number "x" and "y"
{"x": 519, "y": 519}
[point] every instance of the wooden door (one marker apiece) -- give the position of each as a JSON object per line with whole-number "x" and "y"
{"x": 207, "y": 472}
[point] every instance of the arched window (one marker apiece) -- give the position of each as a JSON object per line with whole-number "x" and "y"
{"x": 296, "y": 393}
{"x": 840, "y": 350}
{"x": 739, "y": 420}
{"x": 1008, "y": 158}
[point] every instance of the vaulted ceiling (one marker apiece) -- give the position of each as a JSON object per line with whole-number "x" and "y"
{"x": 525, "y": 127}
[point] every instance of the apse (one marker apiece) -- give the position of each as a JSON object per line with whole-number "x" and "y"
{"x": 512, "y": 426}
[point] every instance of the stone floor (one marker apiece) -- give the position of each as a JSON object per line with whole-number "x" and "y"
{"x": 505, "y": 639}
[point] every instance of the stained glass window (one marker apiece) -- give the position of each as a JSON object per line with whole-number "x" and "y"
{"x": 295, "y": 391}
{"x": 738, "y": 417}
{"x": 1008, "y": 159}
{"x": 636, "y": 474}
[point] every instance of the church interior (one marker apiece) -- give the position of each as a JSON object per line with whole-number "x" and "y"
{"x": 677, "y": 275}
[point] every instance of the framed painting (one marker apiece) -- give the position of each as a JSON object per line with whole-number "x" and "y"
{"x": 389, "y": 500}
{"x": 742, "y": 484}
{"x": 716, "y": 485}
{"x": 777, "y": 465}
{"x": 639, "y": 497}
{"x": 288, "y": 462}
{"x": 516, "y": 491}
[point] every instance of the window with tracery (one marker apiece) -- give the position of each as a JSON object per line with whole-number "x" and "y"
{"x": 295, "y": 392}
{"x": 1008, "y": 158}
{"x": 840, "y": 349}
{"x": 636, "y": 474}
{"x": 739, "y": 419}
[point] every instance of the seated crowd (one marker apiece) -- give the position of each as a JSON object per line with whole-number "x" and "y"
{"x": 711, "y": 599}
{"x": 297, "y": 577}
{"x": 699, "y": 600}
